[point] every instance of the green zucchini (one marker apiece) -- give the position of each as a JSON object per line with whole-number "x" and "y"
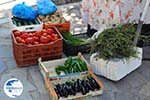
{"x": 25, "y": 23}
{"x": 14, "y": 22}
{"x": 30, "y": 23}
{"x": 18, "y": 19}
{"x": 19, "y": 24}
{"x": 37, "y": 22}
{"x": 70, "y": 39}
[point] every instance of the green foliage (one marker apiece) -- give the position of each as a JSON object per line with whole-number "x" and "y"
{"x": 115, "y": 43}
{"x": 144, "y": 38}
{"x": 73, "y": 40}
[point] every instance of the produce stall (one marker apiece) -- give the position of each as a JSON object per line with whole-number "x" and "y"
{"x": 48, "y": 49}
{"x": 40, "y": 38}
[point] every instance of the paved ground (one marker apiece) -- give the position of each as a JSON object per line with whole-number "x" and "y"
{"x": 135, "y": 86}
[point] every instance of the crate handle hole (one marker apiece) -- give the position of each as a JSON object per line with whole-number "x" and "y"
{"x": 29, "y": 28}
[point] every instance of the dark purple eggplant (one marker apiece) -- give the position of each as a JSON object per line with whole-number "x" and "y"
{"x": 57, "y": 92}
{"x": 67, "y": 89}
{"x": 76, "y": 87}
{"x": 83, "y": 91}
{"x": 65, "y": 92}
{"x": 87, "y": 89}
{"x": 59, "y": 88}
{"x": 84, "y": 84}
{"x": 73, "y": 86}
{"x": 79, "y": 83}
{"x": 71, "y": 90}
{"x": 91, "y": 87}
{"x": 95, "y": 84}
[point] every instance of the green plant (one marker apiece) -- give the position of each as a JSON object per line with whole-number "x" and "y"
{"x": 115, "y": 42}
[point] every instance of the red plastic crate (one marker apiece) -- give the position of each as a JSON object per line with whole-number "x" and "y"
{"x": 28, "y": 54}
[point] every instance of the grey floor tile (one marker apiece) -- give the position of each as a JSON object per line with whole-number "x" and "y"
{"x": 145, "y": 91}
{"x": 6, "y": 51}
{"x": 144, "y": 70}
{"x": 10, "y": 63}
{"x": 125, "y": 96}
{"x": 2, "y": 66}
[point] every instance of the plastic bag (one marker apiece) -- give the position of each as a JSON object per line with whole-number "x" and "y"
{"x": 24, "y": 12}
{"x": 45, "y": 7}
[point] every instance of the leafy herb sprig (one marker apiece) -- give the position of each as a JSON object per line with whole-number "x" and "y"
{"x": 115, "y": 43}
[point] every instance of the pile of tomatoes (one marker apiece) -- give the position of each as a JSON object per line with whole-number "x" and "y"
{"x": 38, "y": 37}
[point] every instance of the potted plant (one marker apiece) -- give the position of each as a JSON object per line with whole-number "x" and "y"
{"x": 114, "y": 54}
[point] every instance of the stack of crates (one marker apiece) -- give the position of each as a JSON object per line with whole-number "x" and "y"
{"x": 28, "y": 54}
{"x": 48, "y": 71}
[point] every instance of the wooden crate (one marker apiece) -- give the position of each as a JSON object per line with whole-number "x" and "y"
{"x": 47, "y": 68}
{"x": 53, "y": 95}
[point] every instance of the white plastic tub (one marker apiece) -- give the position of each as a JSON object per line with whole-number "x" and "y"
{"x": 115, "y": 69}
{"x": 27, "y": 28}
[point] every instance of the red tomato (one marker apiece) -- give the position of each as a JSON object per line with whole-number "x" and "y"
{"x": 50, "y": 31}
{"x": 17, "y": 33}
{"x": 33, "y": 34}
{"x": 30, "y": 34}
{"x": 44, "y": 39}
{"x": 29, "y": 40}
{"x": 35, "y": 38}
{"x": 53, "y": 35}
{"x": 44, "y": 31}
{"x": 22, "y": 41}
{"x": 38, "y": 33}
{"x": 44, "y": 34}
{"x": 56, "y": 35}
{"x": 24, "y": 35}
{"x": 54, "y": 38}
{"x": 18, "y": 39}
{"x": 36, "y": 43}
{"x": 49, "y": 37}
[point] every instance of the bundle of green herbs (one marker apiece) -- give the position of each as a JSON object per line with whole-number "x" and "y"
{"x": 73, "y": 40}
{"x": 115, "y": 42}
